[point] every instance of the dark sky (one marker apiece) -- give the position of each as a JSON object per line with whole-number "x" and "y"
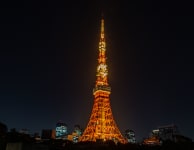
{"x": 48, "y": 59}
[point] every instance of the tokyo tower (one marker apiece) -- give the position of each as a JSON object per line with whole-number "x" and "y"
{"x": 101, "y": 125}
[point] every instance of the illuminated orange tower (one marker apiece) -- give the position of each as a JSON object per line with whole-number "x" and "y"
{"x": 101, "y": 125}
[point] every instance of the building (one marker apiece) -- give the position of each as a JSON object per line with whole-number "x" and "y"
{"x": 61, "y": 130}
{"x": 153, "y": 140}
{"x": 130, "y": 136}
{"x": 37, "y": 137}
{"x": 168, "y": 132}
{"x": 165, "y": 133}
{"x": 76, "y": 134}
{"x": 3, "y": 129}
{"x": 46, "y": 134}
{"x": 102, "y": 126}
{"x": 24, "y": 131}
{"x": 3, "y": 135}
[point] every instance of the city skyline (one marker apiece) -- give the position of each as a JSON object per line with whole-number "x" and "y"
{"x": 49, "y": 55}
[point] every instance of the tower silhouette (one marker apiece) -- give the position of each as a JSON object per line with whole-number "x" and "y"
{"x": 101, "y": 125}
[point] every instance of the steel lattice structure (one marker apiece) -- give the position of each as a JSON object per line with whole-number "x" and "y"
{"x": 101, "y": 125}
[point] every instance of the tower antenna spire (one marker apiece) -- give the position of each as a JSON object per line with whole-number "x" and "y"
{"x": 102, "y": 15}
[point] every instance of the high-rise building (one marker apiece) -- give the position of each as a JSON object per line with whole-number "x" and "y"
{"x": 101, "y": 126}
{"x": 164, "y": 133}
{"x": 61, "y": 130}
{"x": 130, "y": 136}
{"x": 77, "y": 132}
{"x": 168, "y": 132}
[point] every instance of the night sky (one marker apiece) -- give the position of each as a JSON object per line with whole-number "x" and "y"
{"x": 48, "y": 60}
